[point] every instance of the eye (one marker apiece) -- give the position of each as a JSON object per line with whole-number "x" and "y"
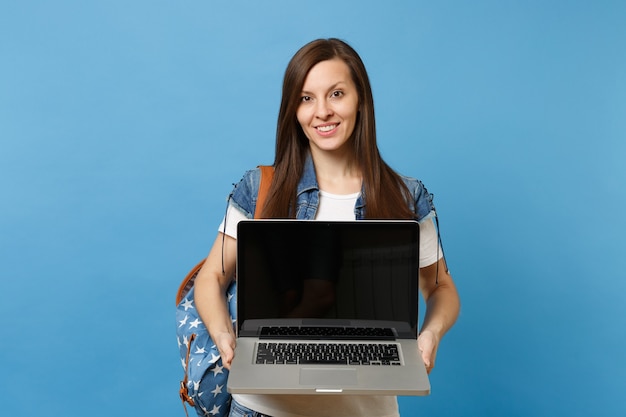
{"x": 337, "y": 94}
{"x": 305, "y": 99}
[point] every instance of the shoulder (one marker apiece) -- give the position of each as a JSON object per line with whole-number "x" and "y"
{"x": 422, "y": 199}
{"x": 244, "y": 194}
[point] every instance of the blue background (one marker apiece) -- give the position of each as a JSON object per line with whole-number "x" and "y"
{"x": 123, "y": 125}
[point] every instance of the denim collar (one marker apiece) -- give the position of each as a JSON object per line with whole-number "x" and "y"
{"x": 308, "y": 181}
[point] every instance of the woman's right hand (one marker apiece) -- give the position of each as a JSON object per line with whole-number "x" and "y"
{"x": 210, "y": 286}
{"x": 225, "y": 343}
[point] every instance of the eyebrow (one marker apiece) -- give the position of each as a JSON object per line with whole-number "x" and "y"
{"x": 332, "y": 87}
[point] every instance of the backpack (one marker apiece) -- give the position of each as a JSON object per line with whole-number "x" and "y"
{"x": 204, "y": 384}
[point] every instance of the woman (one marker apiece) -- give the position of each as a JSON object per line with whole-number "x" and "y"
{"x": 327, "y": 167}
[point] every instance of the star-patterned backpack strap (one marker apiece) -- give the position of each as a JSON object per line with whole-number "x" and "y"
{"x": 204, "y": 384}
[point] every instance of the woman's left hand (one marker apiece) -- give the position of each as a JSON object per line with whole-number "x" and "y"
{"x": 442, "y": 309}
{"x": 427, "y": 342}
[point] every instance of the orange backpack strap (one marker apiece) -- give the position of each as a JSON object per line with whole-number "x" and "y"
{"x": 267, "y": 173}
{"x": 183, "y": 392}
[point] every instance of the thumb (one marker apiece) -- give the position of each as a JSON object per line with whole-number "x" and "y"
{"x": 426, "y": 345}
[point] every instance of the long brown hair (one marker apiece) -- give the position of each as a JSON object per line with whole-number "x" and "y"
{"x": 386, "y": 196}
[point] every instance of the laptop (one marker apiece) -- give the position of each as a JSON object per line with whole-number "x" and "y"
{"x": 327, "y": 308}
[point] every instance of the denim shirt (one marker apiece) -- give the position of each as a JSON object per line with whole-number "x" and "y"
{"x": 244, "y": 195}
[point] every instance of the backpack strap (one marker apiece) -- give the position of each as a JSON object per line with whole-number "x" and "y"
{"x": 267, "y": 174}
{"x": 184, "y": 394}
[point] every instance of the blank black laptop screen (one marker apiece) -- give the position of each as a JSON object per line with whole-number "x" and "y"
{"x": 360, "y": 270}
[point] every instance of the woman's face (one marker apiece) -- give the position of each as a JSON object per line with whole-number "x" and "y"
{"x": 329, "y": 106}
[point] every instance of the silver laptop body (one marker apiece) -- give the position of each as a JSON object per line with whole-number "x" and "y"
{"x": 327, "y": 308}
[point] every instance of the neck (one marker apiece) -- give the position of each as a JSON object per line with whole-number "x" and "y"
{"x": 337, "y": 172}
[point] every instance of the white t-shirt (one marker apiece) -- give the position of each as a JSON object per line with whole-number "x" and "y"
{"x": 331, "y": 207}
{"x": 341, "y": 207}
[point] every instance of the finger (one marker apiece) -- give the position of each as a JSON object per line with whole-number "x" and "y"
{"x": 427, "y": 362}
{"x": 227, "y": 358}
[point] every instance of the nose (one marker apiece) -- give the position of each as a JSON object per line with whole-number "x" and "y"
{"x": 323, "y": 110}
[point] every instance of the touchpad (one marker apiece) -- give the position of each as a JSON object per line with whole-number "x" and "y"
{"x": 328, "y": 377}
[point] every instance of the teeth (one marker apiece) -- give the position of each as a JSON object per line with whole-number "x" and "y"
{"x": 326, "y": 128}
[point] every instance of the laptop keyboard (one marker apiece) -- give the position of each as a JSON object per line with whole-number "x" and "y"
{"x": 327, "y": 333}
{"x": 328, "y": 353}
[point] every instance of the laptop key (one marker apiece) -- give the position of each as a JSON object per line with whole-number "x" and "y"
{"x": 322, "y": 362}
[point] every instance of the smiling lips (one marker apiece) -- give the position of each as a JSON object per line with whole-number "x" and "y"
{"x": 328, "y": 128}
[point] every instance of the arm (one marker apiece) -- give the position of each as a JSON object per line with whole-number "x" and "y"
{"x": 210, "y": 286}
{"x": 442, "y": 309}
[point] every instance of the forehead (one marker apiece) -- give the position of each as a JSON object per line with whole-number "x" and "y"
{"x": 326, "y": 74}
